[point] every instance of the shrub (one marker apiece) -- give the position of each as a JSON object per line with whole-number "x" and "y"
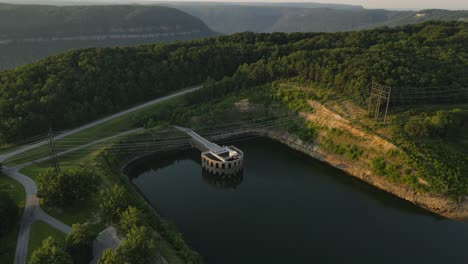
{"x": 378, "y": 166}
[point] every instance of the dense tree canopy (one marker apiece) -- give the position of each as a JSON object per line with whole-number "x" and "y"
{"x": 69, "y": 89}
{"x": 50, "y": 252}
{"x": 66, "y": 187}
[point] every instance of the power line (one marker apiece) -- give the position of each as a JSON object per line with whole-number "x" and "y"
{"x": 379, "y": 92}
{"x": 53, "y": 156}
{"x": 131, "y": 143}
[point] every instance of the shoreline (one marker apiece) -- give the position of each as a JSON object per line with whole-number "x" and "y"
{"x": 437, "y": 204}
{"x": 434, "y": 203}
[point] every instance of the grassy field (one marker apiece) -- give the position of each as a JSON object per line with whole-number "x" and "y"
{"x": 39, "y": 232}
{"x": 78, "y": 213}
{"x": 14, "y": 188}
{"x": 101, "y": 131}
{"x": 8, "y": 242}
{"x": 5, "y": 148}
{"x": 8, "y": 246}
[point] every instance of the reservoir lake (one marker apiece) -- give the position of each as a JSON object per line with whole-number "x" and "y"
{"x": 289, "y": 208}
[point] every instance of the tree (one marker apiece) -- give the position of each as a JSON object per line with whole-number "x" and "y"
{"x": 50, "y": 252}
{"x": 79, "y": 243}
{"x": 113, "y": 202}
{"x": 130, "y": 218}
{"x": 81, "y": 183}
{"x": 51, "y": 187}
{"x": 8, "y": 211}
{"x": 66, "y": 187}
{"x": 138, "y": 247}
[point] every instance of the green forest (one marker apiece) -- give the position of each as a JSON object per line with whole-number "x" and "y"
{"x": 418, "y": 61}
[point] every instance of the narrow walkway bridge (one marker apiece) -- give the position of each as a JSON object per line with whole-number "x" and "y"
{"x": 226, "y": 160}
{"x": 200, "y": 142}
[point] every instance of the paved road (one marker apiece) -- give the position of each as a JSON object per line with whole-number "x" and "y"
{"x": 108, "y": 238}
{"x": 32, "y": 211}
{"x": 100, "y": 121}
{"x": 80, "y": 147}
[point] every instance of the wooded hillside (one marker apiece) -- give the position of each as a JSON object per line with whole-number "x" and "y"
{"x": 66, "y": 90}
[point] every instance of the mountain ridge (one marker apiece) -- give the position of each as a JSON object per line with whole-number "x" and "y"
{"x": 31, "y": 32}
{"x": 229, "y": 19}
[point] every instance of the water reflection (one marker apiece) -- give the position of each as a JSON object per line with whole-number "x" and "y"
{"x": 293, "y": 209}
{"x": 161, "y": 160}
{"x": 223, "y": 181}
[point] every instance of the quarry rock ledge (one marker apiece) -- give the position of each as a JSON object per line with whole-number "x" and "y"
{"x": 435, "y": 203}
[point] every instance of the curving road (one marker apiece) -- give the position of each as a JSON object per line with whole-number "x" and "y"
{"x": 98, "y": 122}
{"x": 32, "y": 211}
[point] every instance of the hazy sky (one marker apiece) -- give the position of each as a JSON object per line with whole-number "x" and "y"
{"x": 418, "y": 4}
{"x": 389, "y": 4}
{"x": 395, "y": 4}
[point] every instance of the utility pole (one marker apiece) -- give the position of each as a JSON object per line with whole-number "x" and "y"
{"x": 386, "y": 92}
{"x": 377, "y": 106}
{"x": 375, "y": 92}
{"x": 52, "y": 154}
{"x": 379, "y": 92}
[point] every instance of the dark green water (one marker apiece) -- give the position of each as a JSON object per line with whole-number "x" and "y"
{"x": 290, "y": 208}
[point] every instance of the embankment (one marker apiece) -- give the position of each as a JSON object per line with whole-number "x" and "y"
{"x": 434, "y": 203}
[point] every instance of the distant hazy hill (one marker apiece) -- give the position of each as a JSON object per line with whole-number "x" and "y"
{"x": 332, "y": 20}
{"x": 30, "y": 32}
{"x": 229, "y": 19}
{"x": 164, "y": 2}
{"x": 307, "y": 18}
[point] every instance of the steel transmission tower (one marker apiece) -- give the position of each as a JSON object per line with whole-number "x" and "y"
{"x": 52, "y": 154}
{"x": 381, "y": 94}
